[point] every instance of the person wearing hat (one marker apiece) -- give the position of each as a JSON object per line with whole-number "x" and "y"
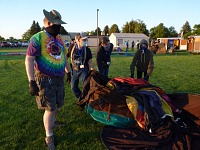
{"x": 80, "y": 62}
{"x": 103, "y": 55}
{"x": 46, "y": 65}
{"x": 143, "y": 61}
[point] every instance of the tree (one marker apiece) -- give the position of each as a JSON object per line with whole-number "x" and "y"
{"x": 87, "y": 32}
{"x": 135, "y": 26}
{"x": 11, "y": 39}
{"x": 92, "y": 33}
{"x": 153, "y": 33}
{"x": 35, "y": 28}
{"x": 106, "y": 30}
{"x": 172, "y": 32}
{"x": 186, "y": 29}
{"x": 140, "y": 27}
{"x": 159, "y": 31}
{"x": 26, "y": 36}
{"x": 132, "y": 25}
{"x": 125, "y": 28}
{"x": 2, "y": 39}
{"x": 196, "y": 29}
{"x": 114, "y": 29}
{"x": 99, "y": 31}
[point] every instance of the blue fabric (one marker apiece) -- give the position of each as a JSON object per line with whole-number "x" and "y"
{"x": 75, "y": 76}
{"x": 144, "y": 48}
{"x": 154, "y": 101}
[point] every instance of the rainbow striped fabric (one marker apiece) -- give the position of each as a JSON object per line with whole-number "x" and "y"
{"x": 50, "y": 54}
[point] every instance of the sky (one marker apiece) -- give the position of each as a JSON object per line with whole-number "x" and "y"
{"x": 17, "y": 15}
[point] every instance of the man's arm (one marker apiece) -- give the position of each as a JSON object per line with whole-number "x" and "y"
{"x": 89, "y": 55}
{"x": 133, "y": 63}
{"x": 91, "y": 64}
{"x": 151, "y": 64}
{"x": 67, "y": 68}
{"x": 69, "y": 50}
{"x": 29, "y": 64}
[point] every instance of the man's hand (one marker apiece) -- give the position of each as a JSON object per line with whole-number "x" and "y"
{"x": 33, "y": 88}
{"x": 132, "y": 75}
{"x": 68, "y": 77}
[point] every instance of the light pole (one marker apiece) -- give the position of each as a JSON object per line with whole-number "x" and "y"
{"x": 97, "y": 27}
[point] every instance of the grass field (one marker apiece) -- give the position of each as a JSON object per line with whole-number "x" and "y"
{"x": 21, "y": 122}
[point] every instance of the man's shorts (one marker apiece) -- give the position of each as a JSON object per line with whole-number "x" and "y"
{"x": 51, "y": 92}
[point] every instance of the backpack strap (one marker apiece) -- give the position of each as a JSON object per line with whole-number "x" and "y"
{"x": 85, "y": 54}
{"x": 72, "y": 54}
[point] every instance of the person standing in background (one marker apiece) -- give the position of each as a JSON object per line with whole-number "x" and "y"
{"x": 81, "y": 62}
{"x": 127, "y": 45}
{"x": 143, "y": 61}
{"x": 103, "y": 56}
{"x": 133, "y": 44}
{"x": 138, "y": 44}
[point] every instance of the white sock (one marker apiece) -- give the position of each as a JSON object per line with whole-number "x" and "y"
{"x": 48, "y": 134}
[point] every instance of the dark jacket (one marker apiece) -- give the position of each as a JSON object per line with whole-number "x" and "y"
{"x": 102, "y": 57}
{"x": 143, "y": 62}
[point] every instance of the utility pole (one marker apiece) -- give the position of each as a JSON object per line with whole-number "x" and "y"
{"x": 97, "y": 29}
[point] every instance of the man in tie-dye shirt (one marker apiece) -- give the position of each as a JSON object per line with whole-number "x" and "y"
{"x": 46, "y": 65}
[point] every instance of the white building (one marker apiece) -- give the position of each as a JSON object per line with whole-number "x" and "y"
{"x": 121, "y": 38}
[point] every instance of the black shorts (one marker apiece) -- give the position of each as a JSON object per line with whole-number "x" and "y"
{"x": 51, "y": 92}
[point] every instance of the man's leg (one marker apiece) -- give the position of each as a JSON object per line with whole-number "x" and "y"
{"x": 74, "y": 84}
{"x": 47, "y": 101}
{"x": 105, "y": 71}
{"x": 49, "y": 119}
{"x": 146, "y": 77}
{"x": 139, "y": 74}
{"x": 83, "y": 75}
{"x": 59, "y": 102}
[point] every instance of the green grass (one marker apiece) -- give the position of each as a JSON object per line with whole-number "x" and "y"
{"x": 21, "y": 122}
{"x": 14, "y": 49}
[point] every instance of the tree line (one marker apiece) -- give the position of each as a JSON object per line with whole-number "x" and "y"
{"x": 133, "y": 26}
{"x": 35, "y": 27}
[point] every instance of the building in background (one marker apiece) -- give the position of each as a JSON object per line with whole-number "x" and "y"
{"x": 121, "y": 38}
{"x": 193, "y": 44}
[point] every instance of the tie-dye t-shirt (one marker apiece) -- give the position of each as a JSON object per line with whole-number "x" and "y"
{"x": 50, "y": 54}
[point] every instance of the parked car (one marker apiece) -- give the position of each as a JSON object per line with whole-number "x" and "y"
{"x": 16, "y": 44}
{"x": 25, "y": 44}
{"x": 12, "y": 44}
{"x": 5, "y": 44}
